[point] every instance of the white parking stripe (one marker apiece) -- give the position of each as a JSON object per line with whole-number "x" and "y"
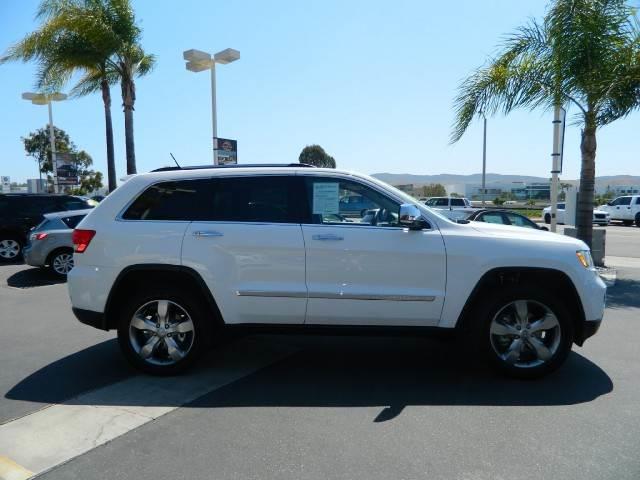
{"x": 54, "y": 435}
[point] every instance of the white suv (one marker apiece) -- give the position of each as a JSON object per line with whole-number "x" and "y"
{"x": 173, "y": 256}
{"x": 624, "y": 209}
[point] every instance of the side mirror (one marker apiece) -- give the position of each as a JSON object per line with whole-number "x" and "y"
{"x": 411, "y": 217}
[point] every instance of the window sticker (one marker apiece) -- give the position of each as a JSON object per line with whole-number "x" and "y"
{"x": 326, "y": 198}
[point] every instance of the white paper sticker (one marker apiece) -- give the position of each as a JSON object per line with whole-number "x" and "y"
{"x": 325, "y": 198}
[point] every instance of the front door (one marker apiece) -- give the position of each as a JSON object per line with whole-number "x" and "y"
{"x": 362, "y": 268}
{"x": 249, "y": 249}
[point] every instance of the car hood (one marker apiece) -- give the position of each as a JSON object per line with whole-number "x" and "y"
{"x": 508, "y": 231}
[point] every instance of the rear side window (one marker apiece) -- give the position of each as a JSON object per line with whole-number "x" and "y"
{"x": 4, "y": 206}
{"x": 181, "y": 200}
{"x": 492, "y": 217}
{"x": 72, "y": 222}
{"x": 268, "y": 199}
{"x": 457, "y": 202}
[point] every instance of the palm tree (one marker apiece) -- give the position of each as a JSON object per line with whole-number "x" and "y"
{"x": 586, "y": 55}
{"x": 99, "y": 38}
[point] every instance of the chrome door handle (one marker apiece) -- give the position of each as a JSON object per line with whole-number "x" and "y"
{"x": 207, "y": 233}
{"x": 327, "y": 236}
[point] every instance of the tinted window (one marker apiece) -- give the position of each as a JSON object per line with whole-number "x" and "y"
{"x": 519, "y": 220}
{"x": 457, "y": 202}
{"x": 622, "y": 201}
{"x": 70, "y": 203}
{"x": 326, "y": 198}
{"x": 72, "y": 222}
{"x": 441, "y": 202}
{"x": 32, "y": 206}
{"x": 492, "y": 217}
{"x": 183, "y": 200}
{"x": 637, "y": 201}
{"x": 269, "y": 199}
{"x": 560, "y": 206}
{"x": 4, "y": 205}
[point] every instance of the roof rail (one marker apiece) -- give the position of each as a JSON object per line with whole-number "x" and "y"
{"x": 243, "y": 165}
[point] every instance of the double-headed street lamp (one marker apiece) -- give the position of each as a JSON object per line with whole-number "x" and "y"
{"x": 198, "y": 61}
{"x": 46, "y": 99}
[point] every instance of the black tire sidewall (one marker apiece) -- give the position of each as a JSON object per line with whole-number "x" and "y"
{"x": 491, "y": 307}
{"x": 547, "y": 219}
{"x": 187, "y": 300}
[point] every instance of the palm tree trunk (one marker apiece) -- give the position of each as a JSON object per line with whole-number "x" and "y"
{"x": 584, "y": 214}
{"x": 128, "y": 100}
{"x": 111, "y": 162}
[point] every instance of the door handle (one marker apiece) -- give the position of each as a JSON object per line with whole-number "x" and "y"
{"x": 207, "y": 233}
{"x": 327, "y": 236}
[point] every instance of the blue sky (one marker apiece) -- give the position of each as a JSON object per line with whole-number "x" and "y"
{"x": 372, "y": 82}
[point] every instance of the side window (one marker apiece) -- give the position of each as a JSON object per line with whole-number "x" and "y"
{"x": 326, "y": 201}
{"x": 182, "y": 200}
{"x": 70, "y": 203}
{"x": 72, "y": 222}
{"x": 637, "y": 201}
{"x": 431, "y": 202}
{"x": 457, "y": 202}
{"x": 261, "y": 199}
{"x": 34, "y": 206}
{"x": 624, "y": 201}
{"x": 442, "y": 202}
{"x": 518, "y": 220}
{"x": 492, "y": 217}
{"x": 4, "y": 206}
{"x": 560, "y": 206}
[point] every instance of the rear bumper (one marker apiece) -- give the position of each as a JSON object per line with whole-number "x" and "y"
{"x": 33, "y": 257}
{"x": 89, "y": 317}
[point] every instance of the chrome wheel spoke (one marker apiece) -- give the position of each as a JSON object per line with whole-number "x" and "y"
{"x": 182, "y": 327}
{"x": 503, "y": 329}
{"x": 547, "y": 322}
{"x": 163, "y": 308}
{"x": 522, "y": 311}
{"x": 173, "y": 349}
{"x": 142, "y": 323}
{"x": 512, "y": 355}
{"x": 542, "y": 352}
{"x": 147, "y": 350}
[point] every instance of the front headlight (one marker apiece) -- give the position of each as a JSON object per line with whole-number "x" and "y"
{"x": 584, "y": 257}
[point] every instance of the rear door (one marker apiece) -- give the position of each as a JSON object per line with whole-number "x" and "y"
{"x": 368, "y": 271}
{"x": 249, "y": 249}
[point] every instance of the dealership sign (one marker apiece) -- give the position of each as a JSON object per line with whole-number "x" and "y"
{"x": 67, "y": 169}
{"x": 226, "y": 151}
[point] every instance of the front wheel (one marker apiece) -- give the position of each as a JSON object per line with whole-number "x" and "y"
{"x": 637, "y": 219}
{"x": 162, "y": 331}
{"x": 10, "y": 248}
{"x": 527, "y": 332}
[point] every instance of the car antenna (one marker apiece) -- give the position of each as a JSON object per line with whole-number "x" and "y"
{"x": 174, "y": 159}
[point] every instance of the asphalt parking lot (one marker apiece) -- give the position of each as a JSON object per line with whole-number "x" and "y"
{"x": 312, "y": 407}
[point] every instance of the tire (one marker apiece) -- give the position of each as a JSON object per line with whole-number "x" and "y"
{"x": 637, "y": 219}
{"x": 513, "y": 347}
{"x": 170, "y": 350}
{"x": 547, "y": 219}
{"x": 60, "y": 262}
{"x": 10, "y": 248}
{"x": 627, "y": 223}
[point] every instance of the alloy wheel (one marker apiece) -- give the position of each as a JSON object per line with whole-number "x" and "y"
{"x": 62, "y": 263}
{"x": 9, "y": 249}
{"x": 525, "y": 333}
{"x": 161, "y": 332}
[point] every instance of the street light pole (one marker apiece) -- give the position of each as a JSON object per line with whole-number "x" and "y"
{"x": 46, "y": 99}
{"x": 555, "y": 163}
{"x": 214, "y": 115}
{"x": 198, "y": 61}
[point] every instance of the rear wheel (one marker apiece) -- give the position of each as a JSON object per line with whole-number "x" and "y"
{"x": 547, "y": 219}
{"x": 61, "y": 262}
{"x": 10, "y": 248}
{"x": 162, "y": 331}
{"x": 525, "y": 332}
{"x": 637, "y": 219}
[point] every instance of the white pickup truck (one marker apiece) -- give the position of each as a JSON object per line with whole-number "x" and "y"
{"x": 453, "y": 208}
{"x": 624, "y": 209}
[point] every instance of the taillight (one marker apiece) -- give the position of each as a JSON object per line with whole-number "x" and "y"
{"x": 82, "y": 238}
{"x": 40, "y": 236}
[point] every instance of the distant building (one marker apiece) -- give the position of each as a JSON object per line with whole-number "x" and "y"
{"x": 619, "y": 190}
{"x": 516, "y": 191}
{"x": 36, "y": 185}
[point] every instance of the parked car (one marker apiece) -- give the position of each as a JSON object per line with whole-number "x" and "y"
{"x": 600, "y": 217}
{"x": 354, "y": 205}
{"x": 624, "y": 209}
{"x": 172, "y": 257}
{"x": 20, "y": 212}
{"x": 50, "y": 242}
{"x": 453, "y": 208}
{"x": 504, "y": 217}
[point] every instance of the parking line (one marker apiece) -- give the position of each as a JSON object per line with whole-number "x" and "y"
{"x": 49, "y": 437}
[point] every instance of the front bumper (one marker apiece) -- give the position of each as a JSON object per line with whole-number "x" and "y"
{"x": 89, "y": 317}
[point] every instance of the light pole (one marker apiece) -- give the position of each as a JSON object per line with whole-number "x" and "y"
{"x": 484, "y": 158}
{"x": 198, "y": 61}
{"x": 46, "y": 99}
